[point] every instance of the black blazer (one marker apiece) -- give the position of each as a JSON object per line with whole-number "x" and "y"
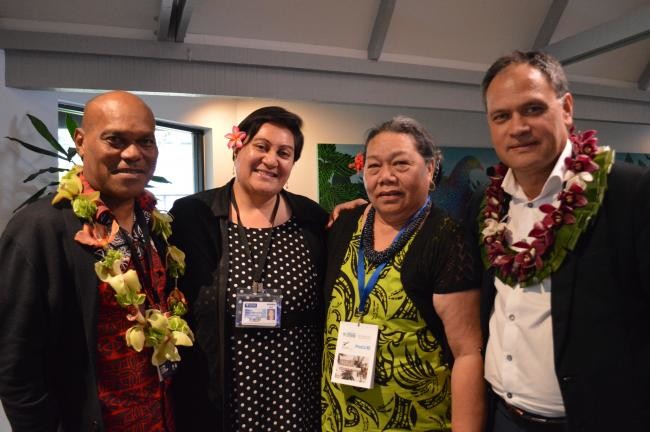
{"x": 200, "y": 230}
{"x": 48, "y": 313}
{"x": 600, "y": 307}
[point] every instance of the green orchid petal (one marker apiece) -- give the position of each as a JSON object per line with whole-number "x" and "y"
{"x": 135, "y": 337}
{"x": 112, "y": 261}
{"x": 84, "y": 207}
{"x": 157, "y": 320}
{"x": 179, "y": 309}
{"x": 181, "y": 339}
{"x": 178, "y": 324}
{"x": 165, "y": 352}
{"x": 175, "y": 261}
{"x": 126, "y": 285}
{"x": 69, "y": 188}
{"x": 132, "y": 281}
{"x": 139, "y": 299}
{"x": 162, "y": 224}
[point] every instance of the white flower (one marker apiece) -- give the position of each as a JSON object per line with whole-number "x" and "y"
{"x": 581, "y": 179}
{"x": 492, "y": 227}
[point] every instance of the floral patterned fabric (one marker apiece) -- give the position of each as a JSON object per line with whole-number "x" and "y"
{"x": 412, "y": 383}
{"x": 130, "y": 393}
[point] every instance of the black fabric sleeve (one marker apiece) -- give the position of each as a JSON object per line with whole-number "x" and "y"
{"x": 25, "y": 326}
{"x": 442, "y": 258}
{"x": 642, "y": 223}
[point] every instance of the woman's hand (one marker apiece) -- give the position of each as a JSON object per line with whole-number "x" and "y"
{"x": 459, "y": 313}
{"x": 349, "y": 205}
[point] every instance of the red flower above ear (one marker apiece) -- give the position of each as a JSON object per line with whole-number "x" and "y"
{"x": 235, "y": 138}
{"x": 358, "y": 162}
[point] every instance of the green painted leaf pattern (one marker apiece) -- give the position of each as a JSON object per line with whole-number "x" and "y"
{"x": 412, "y": 385}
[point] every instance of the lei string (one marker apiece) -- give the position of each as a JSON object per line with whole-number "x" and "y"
{"x": 162, "y": 329}
{"x": 528, "y": 263}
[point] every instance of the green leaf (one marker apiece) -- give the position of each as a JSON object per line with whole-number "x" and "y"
{"x": 45, "y": 133}
{"x": 159, "y": 179}
{"x": 43, "y": 171}
{"x": 34, "y": 197}
{"x": 334, "y": 184}
{"x": 37, "y": 149}
{"x": 72, "y": 151}
{"x": 71, "y": 124}
{"x": 332, "y": 194}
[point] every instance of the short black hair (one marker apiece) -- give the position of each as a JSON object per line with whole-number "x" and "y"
{"x": 542, "y": 61}
{"x": 279, "y": 117}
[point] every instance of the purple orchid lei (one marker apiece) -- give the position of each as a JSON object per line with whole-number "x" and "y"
{"x": 526, "y": 263}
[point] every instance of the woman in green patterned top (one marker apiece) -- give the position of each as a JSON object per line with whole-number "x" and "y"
{"x": 418, "y": 280}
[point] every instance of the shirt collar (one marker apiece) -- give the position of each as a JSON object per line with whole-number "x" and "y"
{"x": 552, "y": 186}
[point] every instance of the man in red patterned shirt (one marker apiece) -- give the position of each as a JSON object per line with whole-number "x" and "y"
{"x": 65, "y": 364}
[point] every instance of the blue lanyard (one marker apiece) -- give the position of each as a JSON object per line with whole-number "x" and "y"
{"x": 366, "y": 289}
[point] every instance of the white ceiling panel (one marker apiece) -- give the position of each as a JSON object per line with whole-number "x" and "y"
{"x": 581, "y": 15}
{"x": 139, "y": 14}
{"x": 336, "y": 23}
{"x": 464, "y": 30}
{"x": 463, "y": 35}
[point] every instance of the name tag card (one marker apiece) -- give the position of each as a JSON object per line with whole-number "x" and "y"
{"x": 259, "y": 313}
{"x": 354, "y": 358}
{"x": 258, "y": 310}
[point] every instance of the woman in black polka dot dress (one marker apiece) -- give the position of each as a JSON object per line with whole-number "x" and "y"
{"x": 237, "y": 377}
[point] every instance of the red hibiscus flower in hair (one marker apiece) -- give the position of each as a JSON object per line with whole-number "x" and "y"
{"x": 358, "y": 162}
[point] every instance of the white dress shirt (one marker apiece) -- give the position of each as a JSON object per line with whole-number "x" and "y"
{"x": 519, "y": 362}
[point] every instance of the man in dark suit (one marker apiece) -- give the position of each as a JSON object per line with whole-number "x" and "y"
{"x": 567, "y": 244}
{"x": 64, "y": 362}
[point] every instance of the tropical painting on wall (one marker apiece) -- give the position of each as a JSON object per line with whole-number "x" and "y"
{"x": 337, "y": 181}
{"x": 463, "y": 171}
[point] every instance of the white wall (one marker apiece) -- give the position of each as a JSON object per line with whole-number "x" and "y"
{"x": 342, "y": 124}
{"x": 323, "y": 123}
{"x": 16, "y": 162}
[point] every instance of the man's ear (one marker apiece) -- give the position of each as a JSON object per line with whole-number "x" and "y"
{"x": 567, "y": 109}
{"x": 79, "y": 136}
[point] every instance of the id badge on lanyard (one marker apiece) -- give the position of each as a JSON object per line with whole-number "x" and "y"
{"x": 257, "y": 306}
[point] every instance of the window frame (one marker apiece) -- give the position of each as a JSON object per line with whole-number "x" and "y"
{"x": 198, "y": 138}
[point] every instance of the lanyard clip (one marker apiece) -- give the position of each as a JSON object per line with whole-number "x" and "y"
{"x": 258, "y": 287}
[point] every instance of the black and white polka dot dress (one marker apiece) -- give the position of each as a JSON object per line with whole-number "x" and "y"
{"x": 275, "y": 373}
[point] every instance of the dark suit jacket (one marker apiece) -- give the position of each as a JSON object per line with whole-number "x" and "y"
{"x": 600, "y": 307}
{"x": 48, "y": 305}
